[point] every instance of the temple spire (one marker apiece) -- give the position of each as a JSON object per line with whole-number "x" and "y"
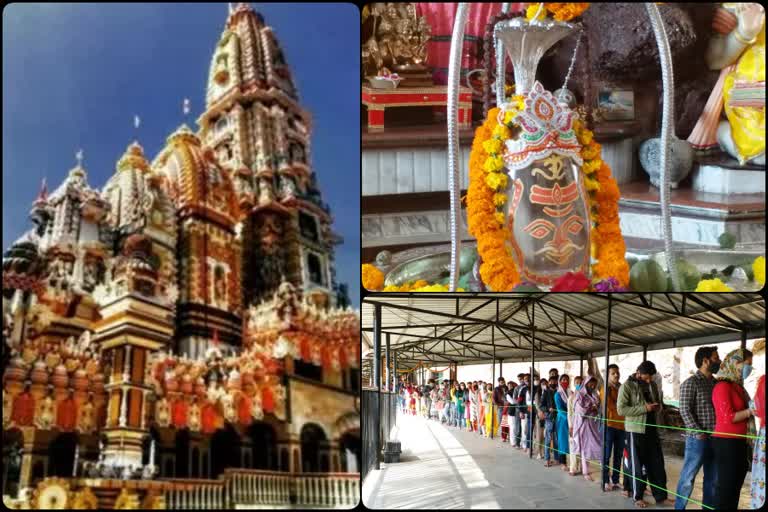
{"x": 79, "y": 157}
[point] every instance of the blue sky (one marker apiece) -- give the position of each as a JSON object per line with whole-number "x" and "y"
{"x": 74, "y": 75}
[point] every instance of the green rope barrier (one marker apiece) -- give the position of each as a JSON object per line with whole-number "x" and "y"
{"x": 670, "y": 427}
{"x": 604, "y": 420}
{"x": 621, "y": 471}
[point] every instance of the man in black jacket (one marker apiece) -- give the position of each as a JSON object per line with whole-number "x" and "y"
{"x": 499, "y": 400}
{"x": 513, "y": 409}
{"x": 550, "y": 413}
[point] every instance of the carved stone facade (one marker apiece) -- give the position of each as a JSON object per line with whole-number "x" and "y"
{"x": 173, "y": 325}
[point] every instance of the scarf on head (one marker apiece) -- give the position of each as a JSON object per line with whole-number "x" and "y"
{"x": 563, "y": 392}
{"x": 730, "y": 373}
{"x": 585, "y": 396}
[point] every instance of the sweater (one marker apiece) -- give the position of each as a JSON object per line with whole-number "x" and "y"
{"x": 614, "y": 419}
{"x": 728, "y": 400}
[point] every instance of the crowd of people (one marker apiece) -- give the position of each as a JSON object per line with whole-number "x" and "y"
{"x": 567, "y": 425}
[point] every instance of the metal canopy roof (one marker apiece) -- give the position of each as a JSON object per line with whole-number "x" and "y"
{"x": 478, "y": 328}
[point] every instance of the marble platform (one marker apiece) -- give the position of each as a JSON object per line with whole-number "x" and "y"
{"x": 697, "y": 217}
{"x": 726, "y": 176}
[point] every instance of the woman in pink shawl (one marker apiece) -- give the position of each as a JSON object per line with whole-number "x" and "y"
{"x": 586, "y": 426}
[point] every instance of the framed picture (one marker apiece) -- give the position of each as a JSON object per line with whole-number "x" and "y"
{"x": 616, "y": 104}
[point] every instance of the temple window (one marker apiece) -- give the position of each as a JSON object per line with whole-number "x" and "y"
{"x": 307, "y": 370}
{"x": 315, "y": 269}
{"x": 219, "y": 285}
{"x": 222, "y": 124}
{"x": 225, "y": 152}
{"x": 308, "y": 227}
{"x": 297, "y": 153}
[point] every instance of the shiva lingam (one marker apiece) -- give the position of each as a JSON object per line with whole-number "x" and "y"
{"x": 547, "y": 211}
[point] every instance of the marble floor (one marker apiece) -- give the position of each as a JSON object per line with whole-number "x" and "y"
{"x": 446, "y": 468}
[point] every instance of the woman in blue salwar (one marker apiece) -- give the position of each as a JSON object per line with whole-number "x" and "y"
{"x": 561, "y": 424}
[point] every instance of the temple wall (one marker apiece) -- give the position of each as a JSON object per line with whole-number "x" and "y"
{"x": 313, "y": 404}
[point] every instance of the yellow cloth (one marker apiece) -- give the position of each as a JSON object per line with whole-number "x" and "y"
{"x": 491, "y": 415}
{"x": 747, "y": 123}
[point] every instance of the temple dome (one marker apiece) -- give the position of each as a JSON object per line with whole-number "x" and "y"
{"x": 199, "y": 183}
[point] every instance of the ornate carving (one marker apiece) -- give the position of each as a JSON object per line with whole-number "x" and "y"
{"x": 52, "y": 494}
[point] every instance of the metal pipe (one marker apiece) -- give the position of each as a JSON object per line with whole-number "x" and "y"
{"x": 377, "y": 380}
{"x": 605, "y": 388}
{"x": 743, "y": 339}
{"x": 454, "y": 175}
{"x": 581, "y": 365}
{"x": 501, "y": 63}
{"x": 667, "y": 133}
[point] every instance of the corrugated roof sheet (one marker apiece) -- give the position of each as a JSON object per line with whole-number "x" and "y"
{"x": 426, "y": 327}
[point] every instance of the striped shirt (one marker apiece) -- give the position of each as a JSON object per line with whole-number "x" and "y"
{"x": 696, "y": 407}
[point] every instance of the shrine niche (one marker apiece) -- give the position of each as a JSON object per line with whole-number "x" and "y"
{"x": 554, "y": 181}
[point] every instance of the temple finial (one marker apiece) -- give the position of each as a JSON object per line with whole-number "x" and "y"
{"x": 43, "y": 195}
{"x": 79, "y": 157}
{"x": 185, "y": 107}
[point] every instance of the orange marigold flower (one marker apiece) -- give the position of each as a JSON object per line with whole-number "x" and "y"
{"x": 372, "y": 277}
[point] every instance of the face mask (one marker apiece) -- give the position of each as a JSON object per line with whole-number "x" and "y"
{"x": 714, "y": 367}
{"x": 745, "y": 371}
{"x": 578, "y": 387}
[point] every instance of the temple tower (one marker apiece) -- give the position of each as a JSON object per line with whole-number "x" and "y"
{"x": 260, "y": 133}
{"x": 137, "y": 300}
{"x": 209, "y": 250}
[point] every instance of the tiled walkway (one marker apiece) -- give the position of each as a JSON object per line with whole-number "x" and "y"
{"x": 443, "y": 468}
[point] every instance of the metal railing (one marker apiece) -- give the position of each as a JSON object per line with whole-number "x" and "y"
{"x": 384, "y": 422}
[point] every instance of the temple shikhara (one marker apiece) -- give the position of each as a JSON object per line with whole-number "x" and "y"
{"x": 178, "y": 339}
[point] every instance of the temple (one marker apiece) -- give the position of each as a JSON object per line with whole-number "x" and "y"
{"x": 178, "y": 339}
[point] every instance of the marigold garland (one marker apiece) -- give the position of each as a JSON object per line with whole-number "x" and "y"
{"x": 559, "y": 11}
{"x": 485, "y": 202}
{"x": 419, "y": 286}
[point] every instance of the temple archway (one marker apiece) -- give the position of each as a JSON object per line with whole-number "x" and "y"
{"x": 182, "y": 454}
{"x": 264, "y": 446}
{"x": 13, "y": 442}
{"x": 314, "y": 444}
{"x": 350, "y": 453}
{"x": 225, "y": 451}
{"x": 61, "y": 455}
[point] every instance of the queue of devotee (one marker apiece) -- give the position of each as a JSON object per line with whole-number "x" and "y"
{"x": 567, "y": 426}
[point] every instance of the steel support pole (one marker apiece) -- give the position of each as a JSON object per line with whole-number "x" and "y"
{"x": 377, "y": 380}
{"x": 743, "y": 339}
{"x": 388, "y": 374}
{"x": 493, "y": 383}
{"x": 581, "y": 365}
{"x": 645, "y": 352}
{"x": 388, "y": 387}
{"x": 394, "y": 370}
{"x": 533, "y": 361}
{"x": 605, "y": 387}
